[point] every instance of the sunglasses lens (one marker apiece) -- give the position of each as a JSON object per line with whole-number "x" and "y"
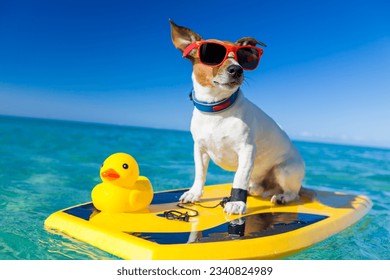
{"x": 211, "y": 53}
{"x": 248, "y": 58}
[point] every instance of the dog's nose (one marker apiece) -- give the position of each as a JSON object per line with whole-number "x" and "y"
{"x": 235, "y": 70}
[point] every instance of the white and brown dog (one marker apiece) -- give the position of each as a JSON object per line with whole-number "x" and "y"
{"x": 232, "y": 131}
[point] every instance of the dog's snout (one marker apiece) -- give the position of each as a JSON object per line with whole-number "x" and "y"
{"x": 235, "y": 70}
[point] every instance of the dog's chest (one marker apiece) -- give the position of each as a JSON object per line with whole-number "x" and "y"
{"x": 220, "y": 136}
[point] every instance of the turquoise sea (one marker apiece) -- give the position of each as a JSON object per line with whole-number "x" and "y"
{"x": 48, "y": 165}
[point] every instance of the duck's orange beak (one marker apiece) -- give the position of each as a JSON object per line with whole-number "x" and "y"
{"x": 110, "y": 174}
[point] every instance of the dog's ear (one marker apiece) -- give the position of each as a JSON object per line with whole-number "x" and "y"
{"x": 182, "y": 36}
{"x": 249, "y": 41}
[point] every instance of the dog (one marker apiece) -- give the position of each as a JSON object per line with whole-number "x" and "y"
{"x": 230, "y": 130}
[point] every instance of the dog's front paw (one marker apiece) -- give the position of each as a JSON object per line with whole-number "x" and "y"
{"x": 235, "y": 207}
{"x": 190, "y": 197}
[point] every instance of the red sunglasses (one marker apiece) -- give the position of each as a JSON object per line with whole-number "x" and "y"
{"x": 214, "y": 53}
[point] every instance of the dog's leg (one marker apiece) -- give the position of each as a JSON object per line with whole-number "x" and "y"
{"x": 237, "y": 204}
{"x": 255, "y": 188}
{"x": 202, "y": 160}
{"x": 289, "y": 177}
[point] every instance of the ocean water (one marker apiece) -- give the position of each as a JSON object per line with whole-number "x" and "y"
{"x": 48, "y": 165}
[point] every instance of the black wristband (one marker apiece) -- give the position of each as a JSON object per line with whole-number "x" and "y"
{"x": 236, "y": 229}
{"x": 238, "y": 195}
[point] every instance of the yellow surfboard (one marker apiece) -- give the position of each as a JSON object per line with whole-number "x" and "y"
{"x": 166, "y": 230}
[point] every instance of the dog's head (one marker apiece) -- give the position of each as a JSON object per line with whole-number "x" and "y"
{"x": 217, "y": 64}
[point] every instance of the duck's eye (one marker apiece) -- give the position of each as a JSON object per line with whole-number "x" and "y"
{"x": 125, "y": 166}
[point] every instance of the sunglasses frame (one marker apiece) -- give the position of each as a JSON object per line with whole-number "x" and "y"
{"x": 229, "y": 49}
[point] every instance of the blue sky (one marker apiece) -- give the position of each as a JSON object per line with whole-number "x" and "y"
{"x": 325, "y": 75}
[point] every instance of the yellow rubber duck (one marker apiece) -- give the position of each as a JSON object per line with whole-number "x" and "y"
{"x": 122, "y": 189}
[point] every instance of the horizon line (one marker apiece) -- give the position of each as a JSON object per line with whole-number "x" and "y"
{"x": 314, "y": 140}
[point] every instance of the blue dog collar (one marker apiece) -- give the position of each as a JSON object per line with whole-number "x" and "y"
{"x": 214, "y": 106}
